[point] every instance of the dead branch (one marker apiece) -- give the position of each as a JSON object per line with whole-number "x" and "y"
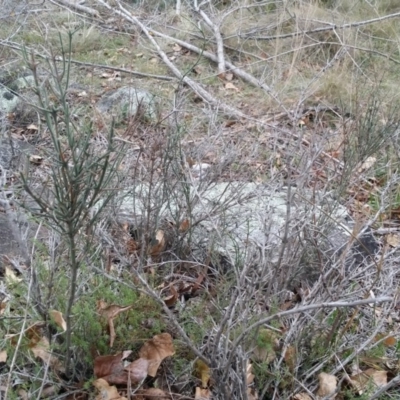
{"x": 201, "y": 92}
{"x": 231, "y": 67}
{"x": 331, "y": 27}
{"x": 218, "y": 39}
{"x": 16, "y": 46}
{"x": 74, "y": 4}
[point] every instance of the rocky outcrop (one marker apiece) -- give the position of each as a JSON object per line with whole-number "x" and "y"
{"x": 247, "y": 222}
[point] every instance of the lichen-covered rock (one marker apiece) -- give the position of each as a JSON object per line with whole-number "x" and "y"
{"x": 14, "y": 153}
{"x": 242, "y": 220}
{"x": 125, "y": 101}
{"x": 11, "y": 101}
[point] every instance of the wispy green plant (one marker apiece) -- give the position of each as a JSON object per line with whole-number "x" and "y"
{"x": 80, "y": 175}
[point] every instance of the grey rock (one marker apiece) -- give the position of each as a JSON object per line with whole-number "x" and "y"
{"x": 8, "y": 100}
{"x": 237, "y": 219}
{"x": 14, "y": 153}
{"x": 126, "y": 101}
{"x": 11, "y": 89}
{"x": 14, "y": 225}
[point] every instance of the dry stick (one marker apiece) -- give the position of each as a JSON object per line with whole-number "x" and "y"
{"x": 17, "y": 47}
{"x": 206, "y": 96}
{"x": 128, "y": 71}
{"x": 339, "y": 54}
{"x": 21, "y": 335}
{"x": 219, "y": 40}
{"x": 394, "y": 382}
{"x": 325, "y": 29}
{"x": 74, "y": 4}
{"x": 146, "y": 289}
{"x": 309, "y": 307}
{"x": 232, "y": 68}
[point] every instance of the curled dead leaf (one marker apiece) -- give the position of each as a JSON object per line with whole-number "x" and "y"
{"x": 393, "y": 239}
{"x": 230, "y": 85}
{"x": 106, "y": 392}
{"x": 302, "y": 396}
{"x": 327, "y": 384}
{"x": 154, "y": 394}
{"x": 58, "y": 319}
{"x": 138, "y": 369}
{"x": 42, "y": 350}
{"x": 290, "y": 358}
{"x": 3, "y": 356}
{"x": 111, "y": 368}
{"x": 362, "y": 381}
{"x": 202, "y": 371}
{"x": 202, "y": 394}
{"x": 37, "y": 160}
{"x": 184, "y": 226}
{"x": 110, "y": 313}
{"x": 11, "y": 275}
{"x": 155, "y": 350}
{"x": 157, "y": 245}
{"x": 171, "y": 299}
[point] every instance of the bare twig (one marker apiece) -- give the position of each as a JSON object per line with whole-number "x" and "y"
{"x": 79, "y": 7}
{"x": 331, "y": 27}
{"x": 218, "y": 39}
{"x": 303, "y": 309}
{"x": 201, "y": 92}
{"x": 231, "y": 67}
{"x": 16, "y": 46}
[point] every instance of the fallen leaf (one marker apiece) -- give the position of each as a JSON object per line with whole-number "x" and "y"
{"x": 154, "y": 394}
{"x": 202, "y": 394}
{"x": 110, "y": 313}
{"x": 155, "y": 350}
{"x": 157, "y": 245}
{"x": 23, "y": 394}
{"x": 198, "y": 69}
{"x": 32, "y": 127}
{"x": 172, "y": 299}
{"x": 177, "y": 47}
{"x": 3, "y": 307}
{"x": 138, "y": 369}
{"x": 3, "y": 356}
{"x": 251, "y": 392}
{"x": 202, "y": 371}
{"x": 367, "y": 164}
{"x": 230, "y": 85}
{"x": 390, "y": 341}
{"x": 392, "y": 239}
{"x": 111, "y": 368}
{"x": 106, "y": 392}
{"x": 11, "y": 276}
{"x": 58, "y": 319}
{"x": 363, "y": 380}
{"x": 184, "y": 226}
{"x": 290, "y": 358}
{"x": 42, "y": 351}
{"x": 249, "y": 373}
{"x": 37, "y": 160}
{"x": 302, "y": 396}
{"x": 229, "y": 76}
{"x": 327, "y": 384}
